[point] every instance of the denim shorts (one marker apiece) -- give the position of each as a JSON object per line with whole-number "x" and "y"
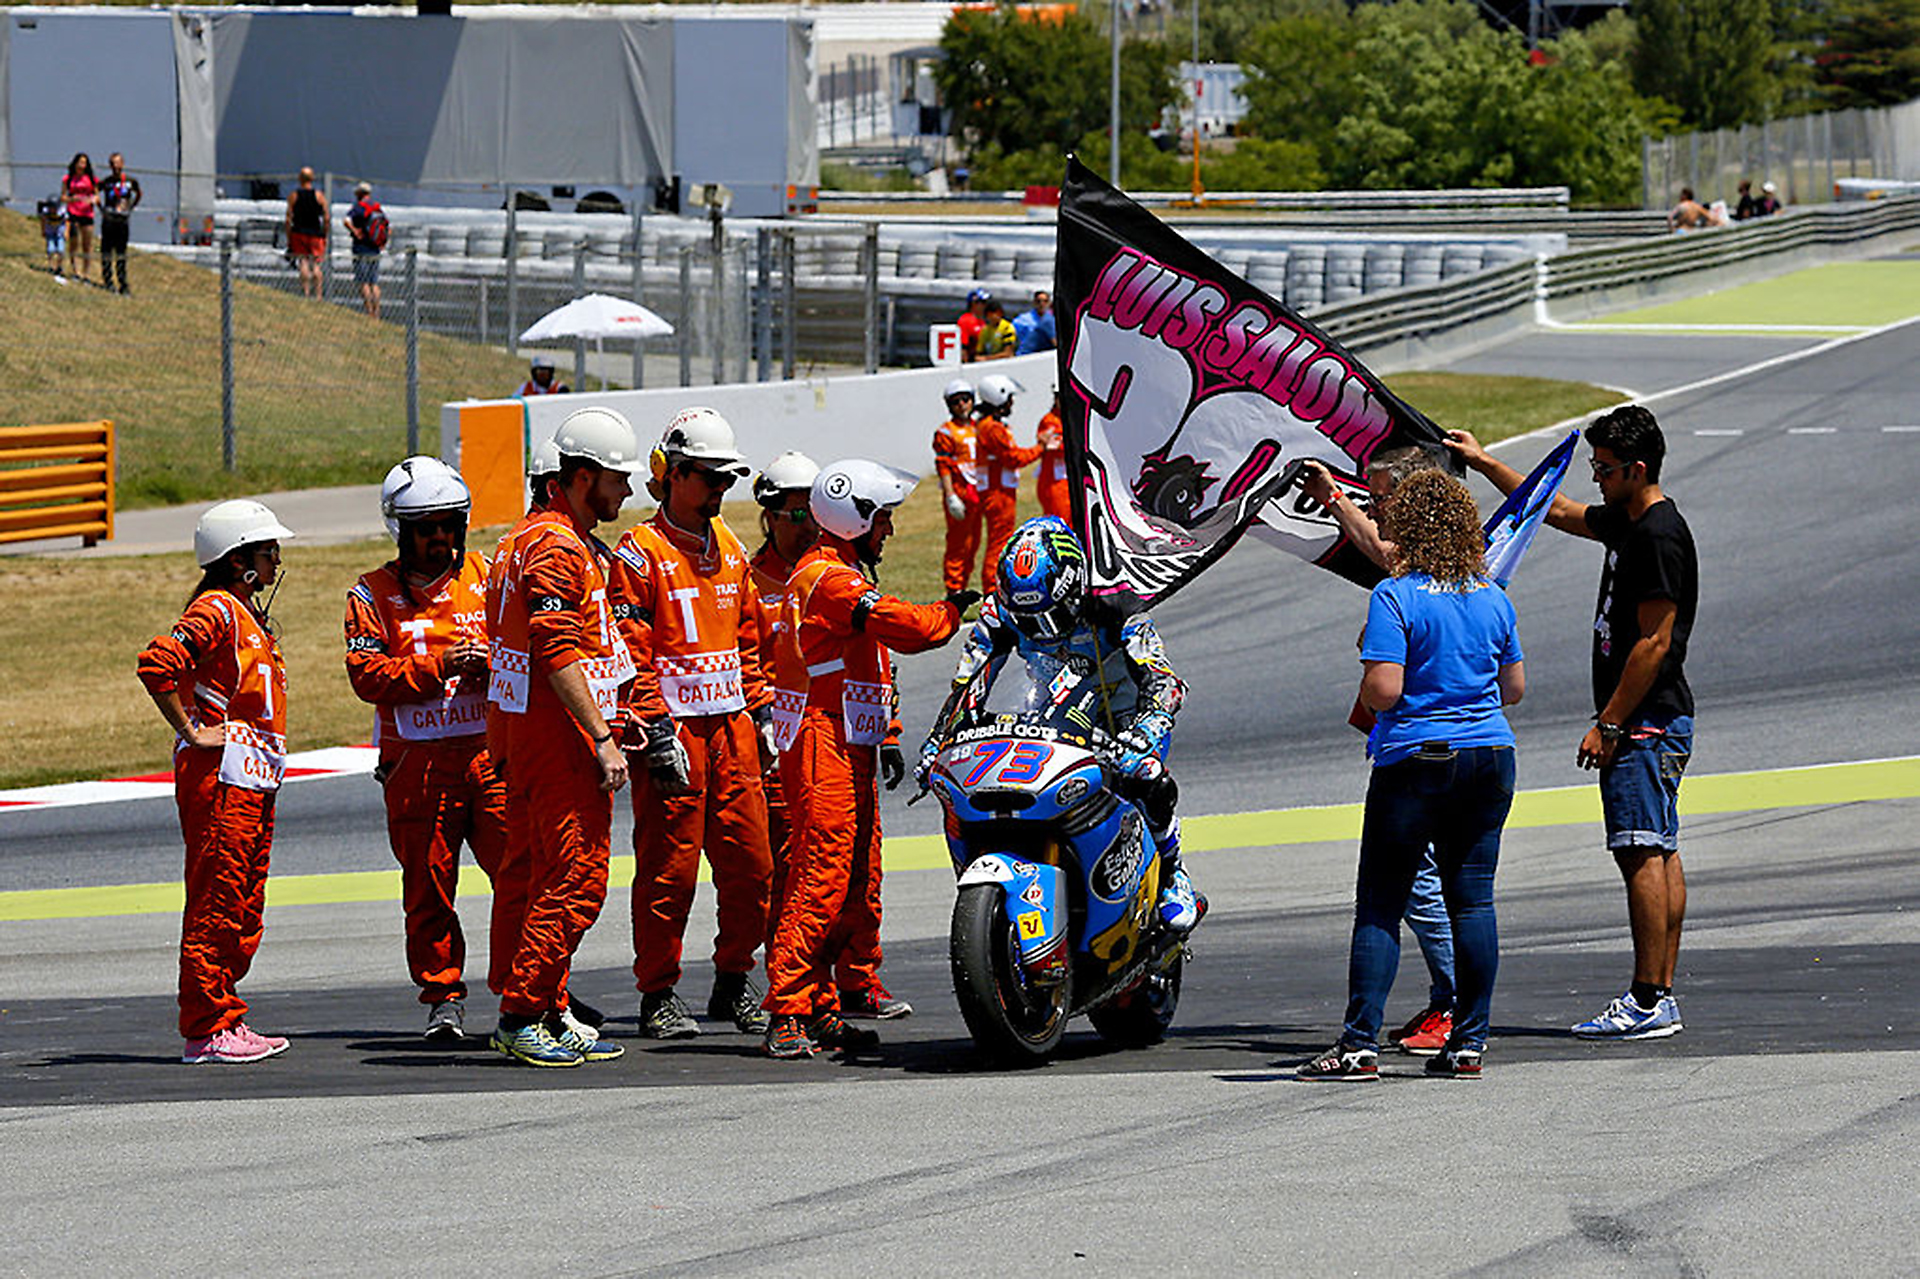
{"x": 1640, "y": 789}
{"x": 366, "y": 268}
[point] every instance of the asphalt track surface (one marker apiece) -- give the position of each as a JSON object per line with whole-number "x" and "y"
{"x": 1773, "y": 1134}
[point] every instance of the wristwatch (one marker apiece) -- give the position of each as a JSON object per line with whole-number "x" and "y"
{"x": 1611, "y": 732}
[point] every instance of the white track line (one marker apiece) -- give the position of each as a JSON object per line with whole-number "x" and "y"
{"x": 1724, "y": 430}
{"x": 1758, "y": 366}
{"x": 1901, "y": 430}
{"x": 1777, "y": 330}
{"x": 1812, "y": 430}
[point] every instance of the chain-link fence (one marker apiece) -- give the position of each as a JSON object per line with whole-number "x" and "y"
{"x": 1802, "y": 155}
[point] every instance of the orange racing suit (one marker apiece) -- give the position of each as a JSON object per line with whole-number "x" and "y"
{"x": 438, "y": 781}
{"x": 683, "y": 604}
{"x": 1050, "y": 485}
{"x": 1001, "y": 459}
{"x": 227, "y": 668}
{"x": 953, "y": 457}
{"x": 844, "y": 628}
{"x": 554, "y": 612}
{"x": 515, "y": 860}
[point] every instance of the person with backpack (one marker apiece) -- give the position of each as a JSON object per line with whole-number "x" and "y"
{"x": 367, "y": 226}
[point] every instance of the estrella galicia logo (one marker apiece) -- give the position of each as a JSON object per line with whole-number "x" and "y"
{"x": 1072, "y": 791}
{"x": 1114, "y": 874}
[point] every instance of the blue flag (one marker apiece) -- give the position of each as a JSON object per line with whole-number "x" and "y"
{"x": 1510, "y": 531}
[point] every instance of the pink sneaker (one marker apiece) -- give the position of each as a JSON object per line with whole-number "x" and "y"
{"x": 234, "y": 1045}
{"x": 274, "y": 1044}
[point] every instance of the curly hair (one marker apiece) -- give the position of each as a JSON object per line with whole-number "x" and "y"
{"x": 1435, "y": 527}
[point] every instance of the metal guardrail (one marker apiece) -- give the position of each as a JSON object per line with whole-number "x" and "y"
{"x": 1340, "y": 201}
{"x": 1513, "y": 289}
{"x": 57, "y": 481}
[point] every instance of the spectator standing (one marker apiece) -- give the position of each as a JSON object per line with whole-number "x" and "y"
{"x": 367, "y": 224}
{"x": 53, "y": 231}
{"x": 119, "y": 197}
{"x": 1643, "y": 734}
{"x": 1033, "y": 328}
{"x": 971, "y": 320}
{"x": 1427, "y": 1031}
{"x": 307, "y": 233}
{"x": 541, "y": 379}
{"x": 1442, "y": 656}
{"x": 995, "y": 339}
{"x": 81, "y": 190}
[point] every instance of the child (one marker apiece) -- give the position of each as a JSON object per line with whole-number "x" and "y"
{"x": 53, "y": 228}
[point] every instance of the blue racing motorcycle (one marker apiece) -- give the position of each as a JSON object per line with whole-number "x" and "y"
{"x": 1058, "y": 873}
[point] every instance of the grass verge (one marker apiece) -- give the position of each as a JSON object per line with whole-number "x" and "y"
{"x": 70, "y": 706}
{"x": 319, "y": 390}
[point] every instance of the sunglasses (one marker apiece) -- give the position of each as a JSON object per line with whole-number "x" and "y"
{"x": 440, "y": 524}
{"x": 718, "y": 481}
{"x": 799, "y": 516}
{"x": 1602, "y": 472}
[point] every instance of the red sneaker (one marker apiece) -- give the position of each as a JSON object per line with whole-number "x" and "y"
{"x": 1426, "y": 1034}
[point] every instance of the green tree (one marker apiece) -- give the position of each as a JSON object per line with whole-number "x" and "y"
{"x": 1299, "y": 69}
{"x": 1018, "y": 85}
{"x": 1713, "y": 59}
{"x": 1871, "y": 54}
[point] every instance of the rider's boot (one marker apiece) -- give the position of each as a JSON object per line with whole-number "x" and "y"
{"x": 1180, "y": 906}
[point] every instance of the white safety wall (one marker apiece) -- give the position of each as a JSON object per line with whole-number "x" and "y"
{"x": 888, "y": 417}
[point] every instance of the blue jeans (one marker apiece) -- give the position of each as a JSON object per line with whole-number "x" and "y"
{"x": 1640, "y": 789}
{"x": 1458, "y": 803}
{"x": 1427, "y": 917}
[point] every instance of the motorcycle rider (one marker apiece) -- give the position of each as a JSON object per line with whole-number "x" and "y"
{"x": 1039, "y": 608}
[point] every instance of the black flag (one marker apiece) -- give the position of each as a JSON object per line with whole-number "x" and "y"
{"x": 1189, "y": 398}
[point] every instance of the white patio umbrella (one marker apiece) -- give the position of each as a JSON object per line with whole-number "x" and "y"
{"x": 598, "y": 316}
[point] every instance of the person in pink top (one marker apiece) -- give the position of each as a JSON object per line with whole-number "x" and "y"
{"x": 80, "y": 189}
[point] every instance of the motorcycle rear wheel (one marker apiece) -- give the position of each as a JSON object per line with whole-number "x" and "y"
{"x": 1141, "y": 1020}
{"x": 1011, "y": 1022}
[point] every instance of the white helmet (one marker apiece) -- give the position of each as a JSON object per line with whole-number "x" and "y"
{"x": 228, "y": 526}
{"x": 545, "y": 459}
{"x": 785, "y": 474}
{"x": 997, "y": 390}
{"x": 542, "y": 362}
{"x": 847, "y": 495}
{"x": 701, "y": 435}
{"x": 419, "y": 487}
{"x": 959, "y": 386}
{"x": 602, "y": 436}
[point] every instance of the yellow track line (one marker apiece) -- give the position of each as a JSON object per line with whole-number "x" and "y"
{"x": 1850, "y": 783}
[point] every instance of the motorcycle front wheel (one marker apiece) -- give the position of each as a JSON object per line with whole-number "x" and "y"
{"x": 1011, "y": 1022}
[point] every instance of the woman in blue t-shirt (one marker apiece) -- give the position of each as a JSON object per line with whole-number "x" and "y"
{"x": 1442, "y": 656}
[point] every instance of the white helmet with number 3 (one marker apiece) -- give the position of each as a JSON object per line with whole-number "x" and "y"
{"x": 602, "y": 436}
{"x": 228, "y": 526}
{"x": 420, "y": 487}
{"x": 848, "y": 494}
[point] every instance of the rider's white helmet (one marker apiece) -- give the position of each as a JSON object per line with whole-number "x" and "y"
{"x": 420, "y": 487}
{"x": 848, "y": 494}
{"x": 703, "y": 437}
{"x": 228, "y": 526}
{"x": 785, "y": 474}
{"x": 601, "y": 436}
{"x": 997, "y": 391}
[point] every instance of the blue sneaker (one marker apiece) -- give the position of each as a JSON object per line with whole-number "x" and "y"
{"x": 535, "y": 1046}
{"x": 1671, "y": 1006}
{"x": 587, "y": 1043}
{"x": 1625, "y": 1019}
{"x": 1180, "y": 906}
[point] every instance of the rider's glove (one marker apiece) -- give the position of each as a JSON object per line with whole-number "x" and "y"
{"x": 962, "y": 600}
{"x": 766, "y": 730}
{"x": 1140, "y": 745}
{"x": 956, "y": 506}
{"x": 923, "y": 771}
{"x": 665, "y": 758}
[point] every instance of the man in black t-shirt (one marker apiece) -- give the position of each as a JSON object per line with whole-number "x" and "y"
{"x": 1643, "y": 732}
{"x": 119, "y": 197}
